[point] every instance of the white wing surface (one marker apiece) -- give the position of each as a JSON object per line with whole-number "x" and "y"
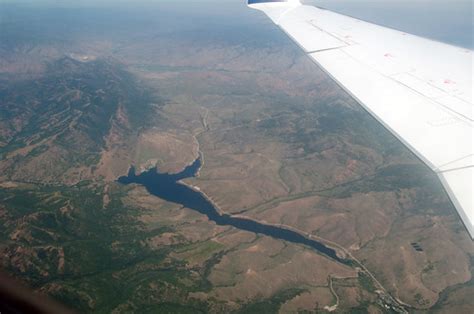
{"x": 419, "y": 89}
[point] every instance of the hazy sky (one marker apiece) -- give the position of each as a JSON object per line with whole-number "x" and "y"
{"x": 449, "y": 21}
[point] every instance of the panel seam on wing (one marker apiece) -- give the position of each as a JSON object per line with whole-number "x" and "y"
{"x": 468, "y": 164}
{"x": 325, "y": 49}
{"x": 311, "y": 22}
{"x": 454, "y": 169}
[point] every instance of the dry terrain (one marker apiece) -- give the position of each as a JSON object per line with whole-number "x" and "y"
{"x": 280, "y": 143}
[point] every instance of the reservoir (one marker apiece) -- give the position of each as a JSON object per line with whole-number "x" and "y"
{"x": 167, "y": 187}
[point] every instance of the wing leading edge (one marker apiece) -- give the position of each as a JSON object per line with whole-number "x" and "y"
{"x": 419, "y": 89}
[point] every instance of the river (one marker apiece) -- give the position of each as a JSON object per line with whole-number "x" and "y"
{"x": 168, "y": 187}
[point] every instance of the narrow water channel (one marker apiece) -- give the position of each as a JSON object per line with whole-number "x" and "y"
{"x": 168, "y": 187}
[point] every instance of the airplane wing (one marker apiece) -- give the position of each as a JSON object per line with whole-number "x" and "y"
{"x": 419, "y": 89}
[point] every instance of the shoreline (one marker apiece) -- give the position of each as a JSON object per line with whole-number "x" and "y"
{"x": 341, "y": 252}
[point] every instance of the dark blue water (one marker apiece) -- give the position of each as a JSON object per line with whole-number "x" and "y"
{"x": 167, "y": 187}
